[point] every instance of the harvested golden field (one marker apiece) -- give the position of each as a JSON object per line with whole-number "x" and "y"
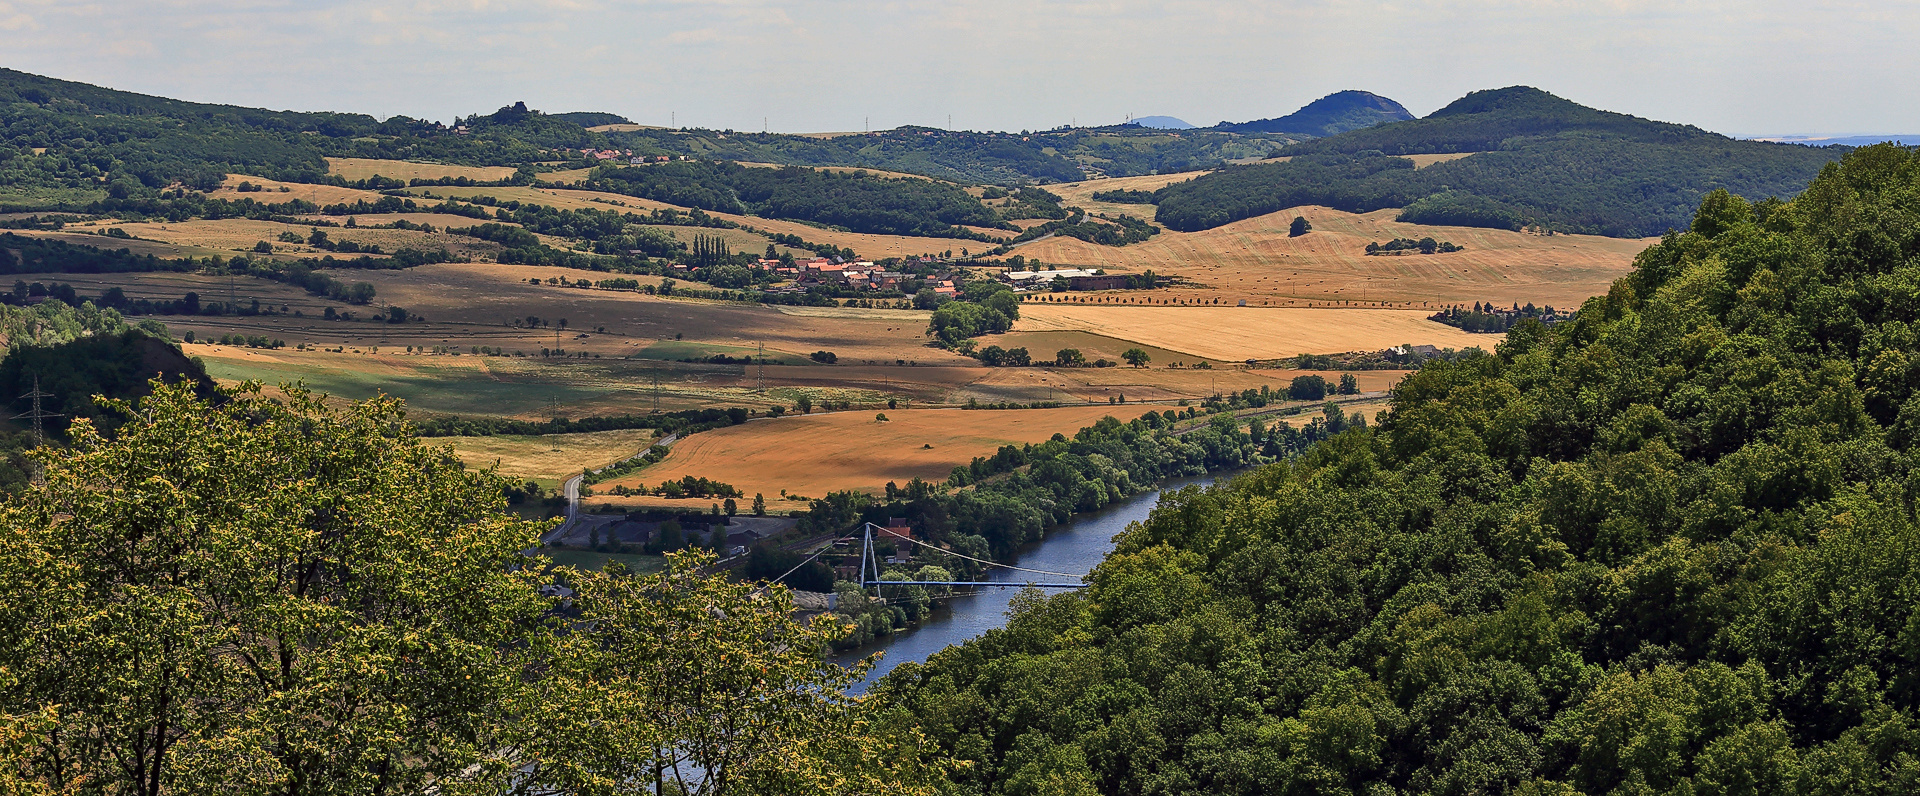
{"x": 815, "y": 454}
{"x": 1240, "y": 333}
{"x": 1080, "y": 194}
{"x": 1423, "y": 161}
{"x": 1155, "y": 383}
{"x": 1044, "y": 345}
{"x": 317, "y": 194}
{"x": 895, "y": 175}
{"x": 159, "y": 249}
{"x": 873, "y": 247}
{"x": 622, "y": 128}
{"x": 558, "y": 198}
{"x": 564, "y": 177}
{"x": 870, "y": 246}
{"x": 1255, "y": 260}
{"x": 737, "y": 240}
{"x": 231, "y": 235}
{"x": 548, "y": 459}
{"x": 491, "y": 295}
{"x": 362, "y": 168}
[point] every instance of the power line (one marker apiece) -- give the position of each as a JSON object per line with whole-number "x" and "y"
{"x": 37, "y": 415}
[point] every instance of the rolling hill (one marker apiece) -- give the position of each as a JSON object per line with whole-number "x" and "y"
{"x": 1329, "y": 115}
{"x": 1541, "y": 161}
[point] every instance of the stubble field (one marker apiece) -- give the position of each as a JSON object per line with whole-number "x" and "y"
{"x": 547, "y": 459}
{"x": 362, "y": 168}
{"x": 1240, "y": 333}
{"x": 815, "y": 454}
{"x": 1255, "y": 259}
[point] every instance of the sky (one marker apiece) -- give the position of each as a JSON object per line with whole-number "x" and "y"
{"x": 1750, "y": 68}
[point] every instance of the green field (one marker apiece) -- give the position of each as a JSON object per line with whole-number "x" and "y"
{"x": 676, "y": 350}
{"x": 426, "y": 388}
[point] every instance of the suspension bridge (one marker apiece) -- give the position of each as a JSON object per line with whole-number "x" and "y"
{"x": 870, "y": 573}
{"x": 870, "y": 568}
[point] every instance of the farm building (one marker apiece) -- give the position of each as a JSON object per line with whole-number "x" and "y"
{"x": 1097, "y": 282}
{"x": 1077, "y": 279}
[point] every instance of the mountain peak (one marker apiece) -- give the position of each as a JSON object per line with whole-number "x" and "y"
{"x": 1329, "y": 115}
{"x": 1162, "y": 123}
{"x": 1511, "y": 98}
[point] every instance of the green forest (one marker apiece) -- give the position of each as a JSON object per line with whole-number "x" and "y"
{"x": 1669, "y": 546}
{"x": 1541, "y": 160}
{"x": 855, "y": 201}
{"x": 65, "y": 145}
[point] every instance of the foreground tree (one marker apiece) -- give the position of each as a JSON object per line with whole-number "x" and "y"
{"x": 273, "y": 596}
{"x": 698, "y": 685}
{"x": 259, "y": 595}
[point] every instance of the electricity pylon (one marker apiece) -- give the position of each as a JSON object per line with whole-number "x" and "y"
{"x": 38, "y": 416}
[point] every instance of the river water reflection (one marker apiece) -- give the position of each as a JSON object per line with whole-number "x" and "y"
{"x": 1076, "y": 546}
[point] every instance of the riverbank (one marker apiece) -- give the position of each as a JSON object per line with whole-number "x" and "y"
{"x": 1076, "y": 546}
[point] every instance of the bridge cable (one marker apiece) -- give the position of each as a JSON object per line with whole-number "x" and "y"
{"x": 992, "y": 563}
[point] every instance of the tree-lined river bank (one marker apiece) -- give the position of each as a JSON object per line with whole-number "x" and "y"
{"x": 1076, "y": 546}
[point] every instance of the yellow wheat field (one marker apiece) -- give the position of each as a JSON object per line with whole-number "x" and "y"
{"x": 824, "y": 452}
{"x": 1238, "y": 333}
{"x": 362, "y": 168}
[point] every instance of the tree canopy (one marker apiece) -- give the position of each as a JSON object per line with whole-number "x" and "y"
{"x": 276, "y": 596}
{"x": 1668, "y": 546}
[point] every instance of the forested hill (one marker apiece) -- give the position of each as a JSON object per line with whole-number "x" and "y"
{"x": 64, "y": 144}
{"x": 1329, "y": 115}
{"x": 1485, "y": 120}
{"x": 1542, "y": 161}
{"x": 1670, "y": 547}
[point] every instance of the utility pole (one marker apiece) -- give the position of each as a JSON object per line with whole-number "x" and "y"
{"x": 553, "y": 411}
{"x": 761, "y": 360}
{"x": 37, "y": 415}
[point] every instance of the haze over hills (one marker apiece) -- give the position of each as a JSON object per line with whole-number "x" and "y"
{"x": 1840, "y": 140}
{"x": 1329, "y": 115}
{"x": 1541, "y": 161}
{"x": 1163, "y": 123}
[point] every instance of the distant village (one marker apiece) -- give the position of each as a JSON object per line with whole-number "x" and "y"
{"x": 932, "y": 273}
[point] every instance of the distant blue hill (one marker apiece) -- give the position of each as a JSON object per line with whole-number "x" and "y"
{"x": 1162, "y": 123}
{"x": 1329, "y": 115}
{"x": 1844, "y": 140}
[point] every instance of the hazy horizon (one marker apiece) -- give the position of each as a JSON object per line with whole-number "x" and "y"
{"x": 1748, "y": 70}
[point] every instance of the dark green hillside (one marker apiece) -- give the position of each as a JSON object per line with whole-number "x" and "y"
{"x": 1329, "y": 115}
{"x": 1543, "y": 160}
{"x": 1484, "y": 120}
{"x": 1670, "y": 547}
{"x": 855, "y": 201}
{"x": 592, "y": 118}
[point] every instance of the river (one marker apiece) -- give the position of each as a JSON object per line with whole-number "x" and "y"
{"x": 1076, "y": 546}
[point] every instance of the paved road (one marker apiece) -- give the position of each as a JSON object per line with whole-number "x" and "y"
{"x": 571, "y": 489}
